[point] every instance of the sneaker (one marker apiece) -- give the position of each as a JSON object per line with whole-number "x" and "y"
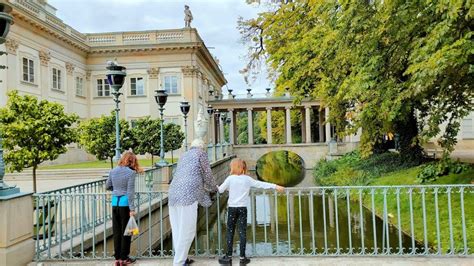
{"x": 189, "y": 261}
{"x": 225, "y": 260}
{"x": 244, "y": 260}
{"x": 130, "y": 260}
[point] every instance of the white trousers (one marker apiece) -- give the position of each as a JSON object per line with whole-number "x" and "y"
{"x": 183, "y": 229}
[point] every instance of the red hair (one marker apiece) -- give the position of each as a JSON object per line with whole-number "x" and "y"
{"x": 129, "y": 159}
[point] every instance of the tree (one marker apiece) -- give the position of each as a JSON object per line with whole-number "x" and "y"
{"x": 378, "y": 65}
{"x": 34, "y": 131}
{"x": 173, "y": 137}
{"x": 97, "y": 136}
{"x": 146, "y": 132}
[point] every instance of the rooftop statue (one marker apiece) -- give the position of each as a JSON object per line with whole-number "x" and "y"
{"x": 188, "y": 16}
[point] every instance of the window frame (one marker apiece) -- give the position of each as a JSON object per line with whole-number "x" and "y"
{"x": 178, "y": 83}
{"x": 56, "y": 72}
{"x": 82, "y": 91}
{"x": 137, "y": 78}
{"x": 30, "y": 68}
{"x": 103, "y": 85}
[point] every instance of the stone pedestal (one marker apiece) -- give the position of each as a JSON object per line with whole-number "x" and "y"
{"x": 16, "y": 229}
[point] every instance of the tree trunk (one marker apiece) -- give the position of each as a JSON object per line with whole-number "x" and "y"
{"x": 111, "y": 163}
{"x": 408, "y": 144}
{"x": 172, "y": 156}
{"x": 34, "y": 178}
{"x": 152, "y": 161}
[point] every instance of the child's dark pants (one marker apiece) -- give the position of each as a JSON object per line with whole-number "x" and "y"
{"x": 237, "y": 215}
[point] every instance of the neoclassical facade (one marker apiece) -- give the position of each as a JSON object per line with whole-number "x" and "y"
{"x": 51, "y": 60}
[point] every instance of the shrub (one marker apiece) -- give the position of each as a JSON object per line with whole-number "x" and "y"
{"x": 432, "y": 171}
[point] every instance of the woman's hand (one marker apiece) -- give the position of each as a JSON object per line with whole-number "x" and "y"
{"x": 132, "y": 213}
{"x": 280, "y": 188}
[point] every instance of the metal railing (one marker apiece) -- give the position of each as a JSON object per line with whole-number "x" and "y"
{"x": 317, "y": 221}
{"x": 218, "y": 151}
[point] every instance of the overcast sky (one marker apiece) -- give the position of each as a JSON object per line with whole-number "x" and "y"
{"x": 215, "y": 20}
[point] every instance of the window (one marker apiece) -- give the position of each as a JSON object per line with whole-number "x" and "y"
{"x": 79, "y": 86}
{"x": 28, "y": 70}
{"x": 467, "y": 128}
{"x": 171, "y": 84}
{"x": 133, "y": 123}
{"x": 56, "y": 79}
{"x": 137, "y": 86}
{"x": 103, "y": 88}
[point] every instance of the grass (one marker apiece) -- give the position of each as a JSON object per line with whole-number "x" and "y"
{"x": 408, "y": 177}
{"x": 98, "y": 164}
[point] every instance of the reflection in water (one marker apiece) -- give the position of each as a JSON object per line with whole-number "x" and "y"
{"x": 284, "y": 168}
{"x": 306, "y": 223}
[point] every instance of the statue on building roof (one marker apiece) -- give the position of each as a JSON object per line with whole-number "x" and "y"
{"x": 188, "y": 16}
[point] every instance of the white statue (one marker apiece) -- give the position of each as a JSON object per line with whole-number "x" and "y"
{"x": 188, "y": 16}
{"x": 200, "y": 125}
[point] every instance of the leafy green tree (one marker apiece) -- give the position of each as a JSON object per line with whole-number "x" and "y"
{"x": 378, "y": 65}
{"x": 173, "y": 137}
{"x": 146, "y": 132}
{"x": 34, "y": 131}
{"x": 97, "y": 136}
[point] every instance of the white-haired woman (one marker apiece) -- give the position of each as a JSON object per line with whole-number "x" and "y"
{"x": 190, "y": 186}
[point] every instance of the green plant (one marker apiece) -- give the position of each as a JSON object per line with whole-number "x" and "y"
{"x": 432, "y": 171}
{"x": 34, "y": 131}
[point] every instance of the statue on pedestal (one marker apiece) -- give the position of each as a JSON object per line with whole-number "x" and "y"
{"x": 200, "y": 125}
{"x": 188, "y": 16}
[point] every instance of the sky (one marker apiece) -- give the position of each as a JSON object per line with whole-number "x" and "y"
{"x": 215, "y": 20}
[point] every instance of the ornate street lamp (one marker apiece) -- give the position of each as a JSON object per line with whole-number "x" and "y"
{"x": 210, "y": 111}
{"x": 160, "y": 97}
{"x": 115, "y": 77}
{"x": 230, "y": 93}
{"x": 185, "y": 110}
{"x": 5, "y": 21}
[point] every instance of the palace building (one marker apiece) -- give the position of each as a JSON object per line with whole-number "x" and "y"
{"x": 49, "y": 59}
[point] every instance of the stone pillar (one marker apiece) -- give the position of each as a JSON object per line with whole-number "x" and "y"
{"x": 320, "y": 125}
{"x": 154, "y": 84}
{"x": 16, "y": 229}
{"x": 303, "y": 125}
{"x": 10, "y": 74}
{"x": 44, "y": 76}
{"x": 288, "y": 124}
{"x": 307, "y": 112}
{"x": 89, "y": 93}
{"x": 250, "y": 125}
{"x": 70, "y": 87}
{"x": 328, "y": 125}
{"x": 269, "y": 126}
{"x": 221, "y": 130}
{"x": 231, "y": 126}
{"x": 190, "y": 93}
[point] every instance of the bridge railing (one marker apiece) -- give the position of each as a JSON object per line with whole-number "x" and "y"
{"x": 316, "y": 221}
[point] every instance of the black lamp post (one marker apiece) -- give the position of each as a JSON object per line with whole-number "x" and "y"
{"x": 115, "y": 77}
{"x": 217, "y": 116}
{"x": 185, "y": 110}
{"x": 160, "y": 97}
{"x": 5, "y": 21}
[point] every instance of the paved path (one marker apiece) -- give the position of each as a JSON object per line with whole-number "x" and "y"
{"x": 300, "y": 261}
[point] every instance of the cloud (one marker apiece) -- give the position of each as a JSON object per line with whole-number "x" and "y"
{"x": 215, "y": 20}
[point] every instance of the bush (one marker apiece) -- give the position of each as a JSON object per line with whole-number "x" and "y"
{"x": 432, "y": 171}
{"x": 351, "y": 169}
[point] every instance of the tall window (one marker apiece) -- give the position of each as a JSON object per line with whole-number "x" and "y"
{"x": 56, "y": 79}
{"x": 103, "y": 88}
{"x": 171, "y": 84}
{"x": 28, "y": 70}
{"x": 137, "y": 86}
{"x": 79, "y": 86}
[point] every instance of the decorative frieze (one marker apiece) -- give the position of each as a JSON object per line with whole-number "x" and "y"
{"x": 153, "y": 72}
{"x": 45, "y": 57}
{"x": 70, "y": 68}
{"x": 12, "y": 46}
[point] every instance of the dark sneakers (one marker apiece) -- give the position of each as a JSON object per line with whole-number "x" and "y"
{"x": 244, "y": 260}
{"x": 188, "y": 261}
{"x": 130, "y": 260}
{"x": 226, "y": 260}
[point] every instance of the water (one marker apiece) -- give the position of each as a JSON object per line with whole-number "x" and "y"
{"x": 284, "y": 168}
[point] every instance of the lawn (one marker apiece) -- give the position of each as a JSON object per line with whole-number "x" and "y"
{"x": 98, "y": 164}
{"x": 408, "y": 177}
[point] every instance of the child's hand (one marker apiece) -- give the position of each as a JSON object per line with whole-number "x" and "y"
{"x": 280, "y": 188}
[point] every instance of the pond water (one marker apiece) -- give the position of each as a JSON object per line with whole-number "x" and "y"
{"x": 284, "y": 168}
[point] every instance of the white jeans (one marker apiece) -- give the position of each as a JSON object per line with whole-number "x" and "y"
{"x": 183, "y": 229}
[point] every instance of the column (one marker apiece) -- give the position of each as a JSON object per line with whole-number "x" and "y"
{"x": 43, "y": 77}
{"x": 328, "y": 125}
{"x": 269, "y": 125}
{"x": 250, "y": 125}
{"x": 10, "y": 74}
{"x": 154, "y": 84}
{"x": 303, "y": 125}
{"x": 307, "y": 112}
{"x": 231, "y": 126}
{"x": 70, "y": 87}
{"x": 288, "y": 124}
{"x": 221, "y": 130}
{"x": 320, "y": 125}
